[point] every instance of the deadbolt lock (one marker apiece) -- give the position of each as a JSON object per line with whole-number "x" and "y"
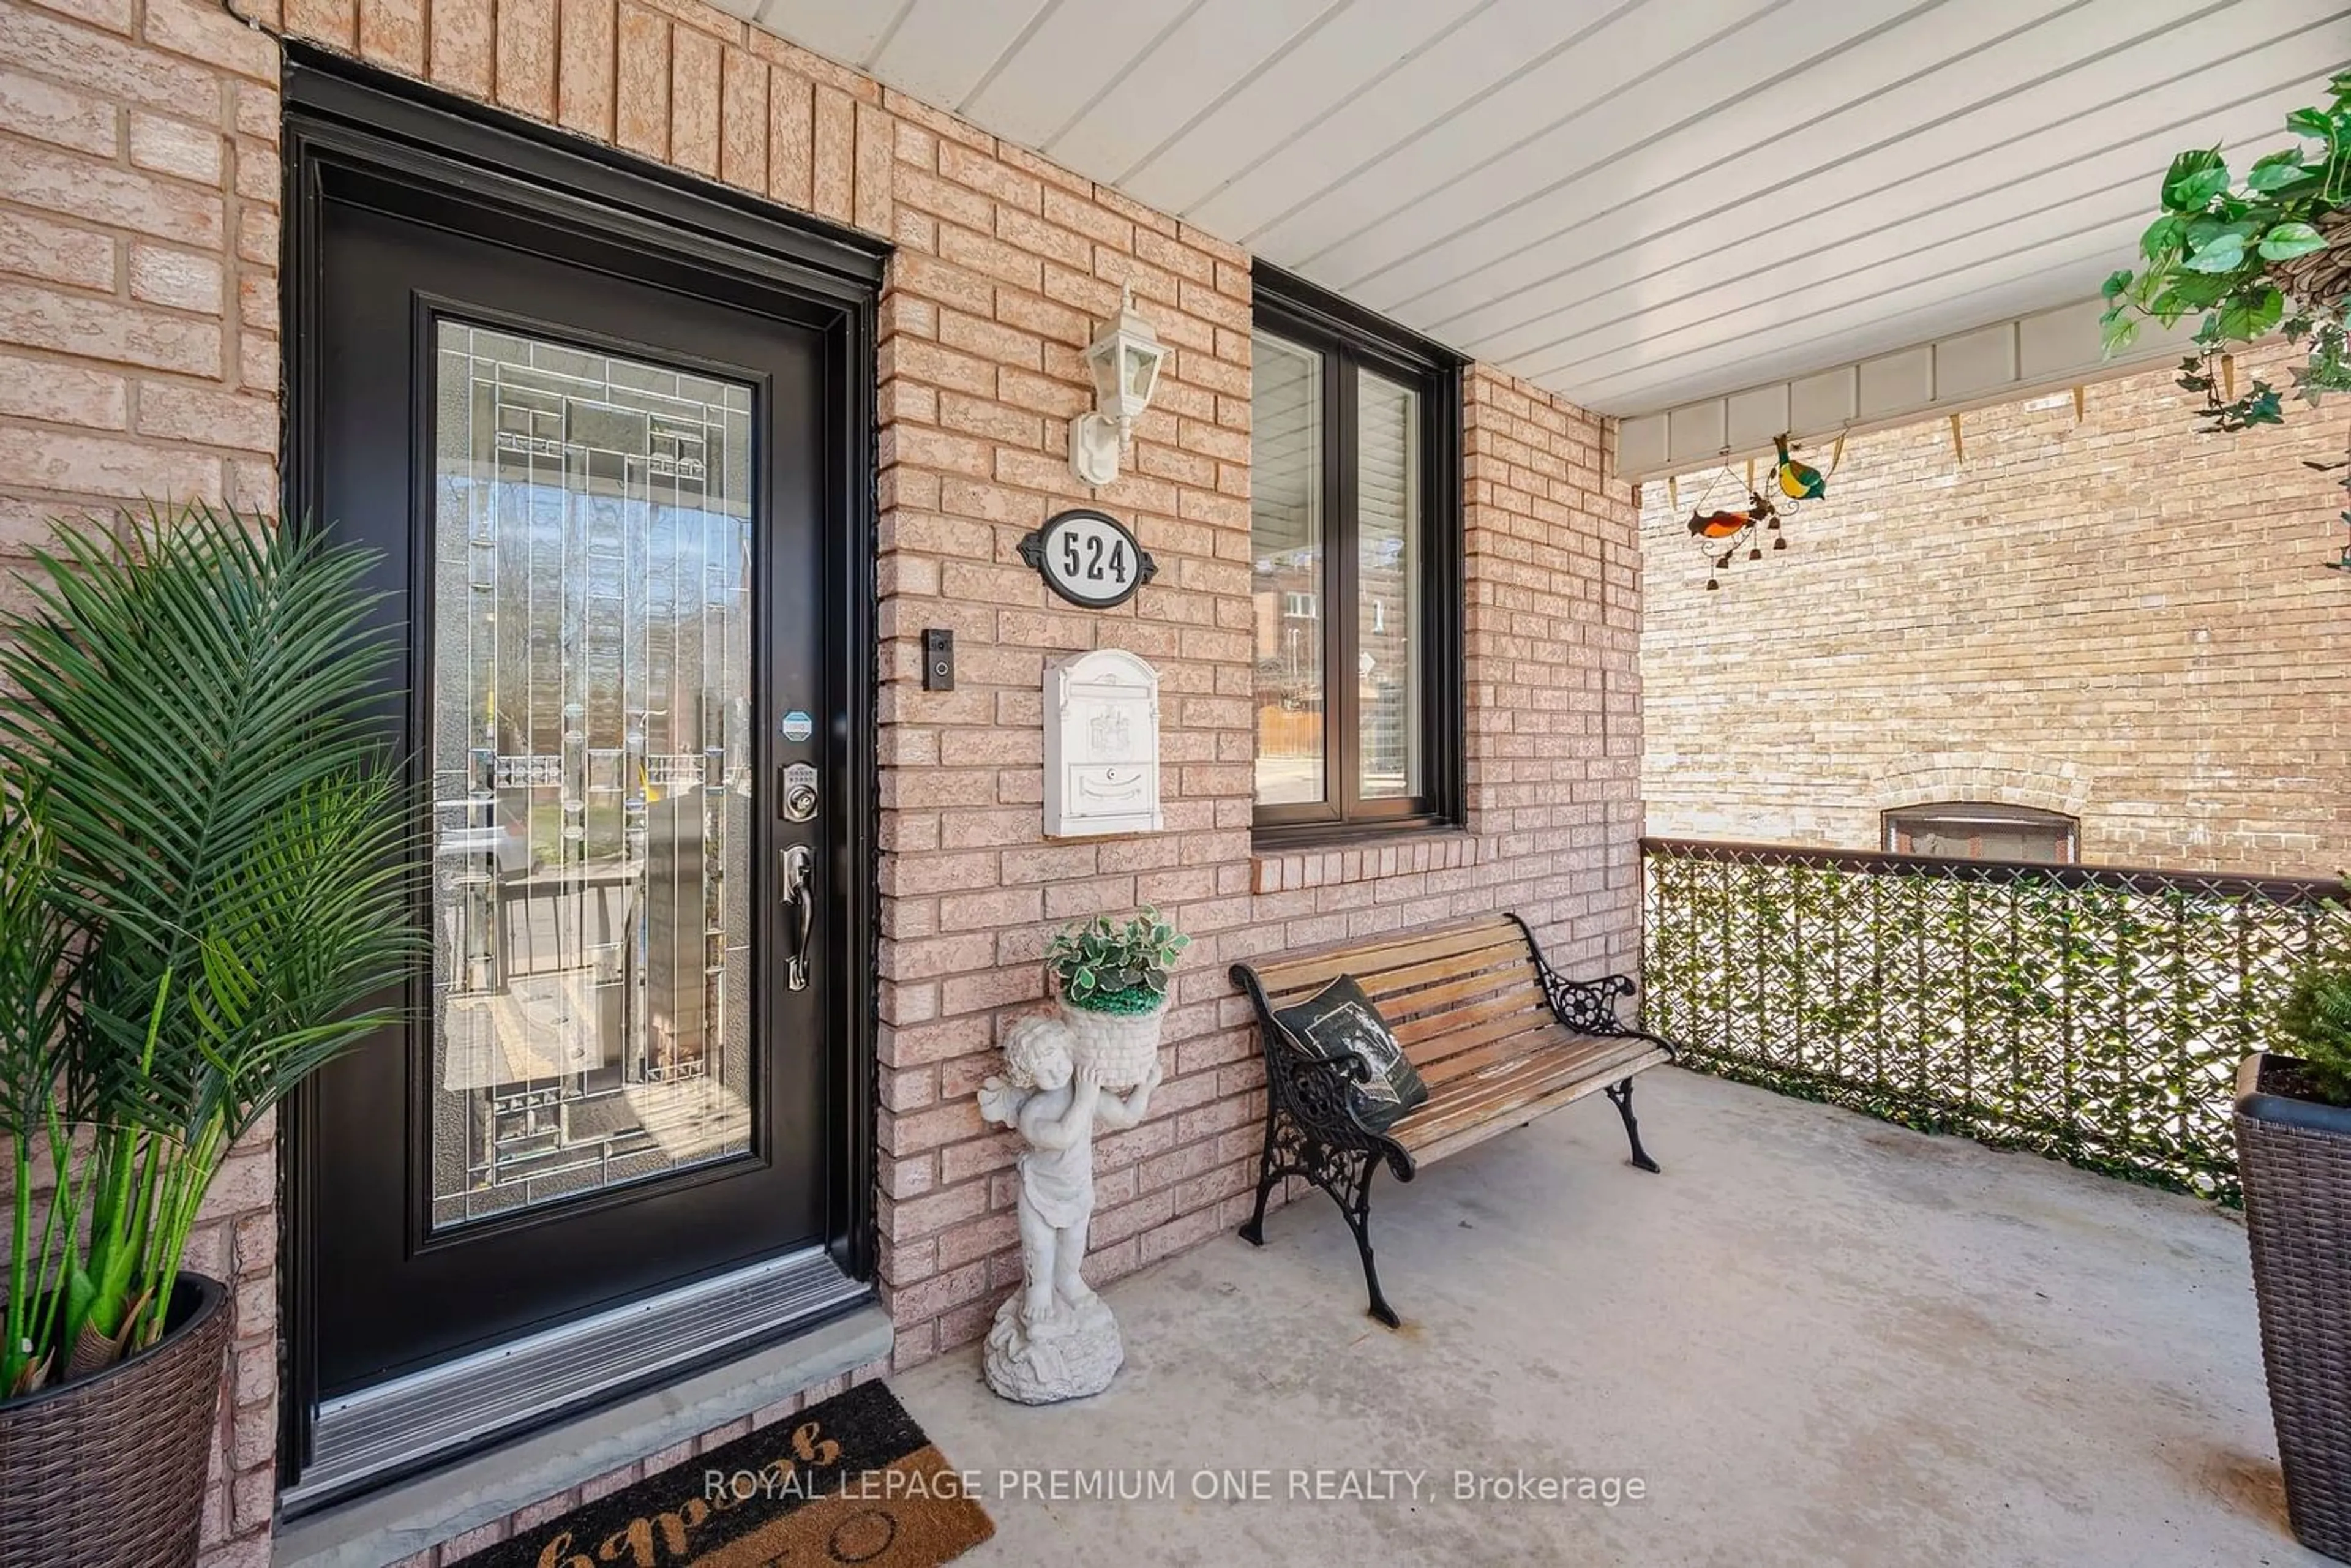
{"x": 800, "y": 792}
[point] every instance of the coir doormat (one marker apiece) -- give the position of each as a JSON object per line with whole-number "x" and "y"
{"x": 850, "y": 1481}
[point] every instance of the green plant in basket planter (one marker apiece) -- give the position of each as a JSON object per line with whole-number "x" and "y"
{"x": 1114, "y": 968}
{"x": 2292, "y": 1126}
{"x": 201, "y": 845}
{"x": 2315, "y": 1021}
{"x": 2251, "y": 254}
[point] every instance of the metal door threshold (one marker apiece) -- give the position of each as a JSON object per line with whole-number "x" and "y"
{"x": 398, "y": 1425}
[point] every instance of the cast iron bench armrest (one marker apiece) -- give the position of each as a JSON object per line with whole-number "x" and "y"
{"x": 1589, "y": 1007}
{"x": 1317, "y": 1094}
{"x": 1315, "y": 1088}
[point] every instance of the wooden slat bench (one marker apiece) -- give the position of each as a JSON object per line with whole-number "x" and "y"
{"x": 1498, "y": 1036}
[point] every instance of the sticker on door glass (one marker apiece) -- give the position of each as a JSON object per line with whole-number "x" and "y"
{"x": 797, "y": 725}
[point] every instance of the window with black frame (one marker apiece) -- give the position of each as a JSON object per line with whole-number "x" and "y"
{"x": 1355, "y": 508}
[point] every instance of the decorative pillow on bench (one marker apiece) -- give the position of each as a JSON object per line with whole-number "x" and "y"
{"x": 1339, "y": 1019}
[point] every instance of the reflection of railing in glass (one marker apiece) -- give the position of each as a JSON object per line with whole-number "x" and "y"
{"x": 591, "y": 678}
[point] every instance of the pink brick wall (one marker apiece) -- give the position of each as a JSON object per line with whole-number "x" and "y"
{"x": 138, "y": 259}
{"x": 1005, "y": 267}
{"x": 139, "y": 240}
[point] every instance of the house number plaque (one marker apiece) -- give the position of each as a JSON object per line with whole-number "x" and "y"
{"x": 1089, "y": 558}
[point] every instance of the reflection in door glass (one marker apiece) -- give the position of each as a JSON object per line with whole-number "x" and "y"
{"x": 591, "y": 755}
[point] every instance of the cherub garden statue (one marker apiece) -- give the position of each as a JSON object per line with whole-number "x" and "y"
{"x": 1055, "y": 1339}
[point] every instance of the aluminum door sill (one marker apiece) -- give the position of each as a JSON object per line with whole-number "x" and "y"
{"x": 393, "y": 1524}
{"x": 397, "y": 1425}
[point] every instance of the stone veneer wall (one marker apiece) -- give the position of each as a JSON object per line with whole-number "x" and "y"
{"x": 139, "y": 355}
{"x": 2119, "y": 619}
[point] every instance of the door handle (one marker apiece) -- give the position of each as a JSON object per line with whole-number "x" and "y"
{"x": 800, "y": 900}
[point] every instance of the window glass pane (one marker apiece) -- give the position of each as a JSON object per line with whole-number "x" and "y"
{"x": 591, "y": 678}
{"x": 1285, "y": 512}
{"x": 1388, "y": 585}
{"x": 1960, "y": 831}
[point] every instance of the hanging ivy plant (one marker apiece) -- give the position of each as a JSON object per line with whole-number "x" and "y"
{"x": 2254, "y": 255}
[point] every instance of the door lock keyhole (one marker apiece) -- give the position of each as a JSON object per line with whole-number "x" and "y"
{"x": 799, "y": 793}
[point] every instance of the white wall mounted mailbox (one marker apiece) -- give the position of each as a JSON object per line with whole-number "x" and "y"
{"x": 1101, "y": 746}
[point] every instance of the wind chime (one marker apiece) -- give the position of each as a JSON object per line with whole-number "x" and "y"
{"x": 1721, "y": 532}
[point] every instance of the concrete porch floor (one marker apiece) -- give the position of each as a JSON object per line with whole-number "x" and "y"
{"x": 1816, "y": 1338}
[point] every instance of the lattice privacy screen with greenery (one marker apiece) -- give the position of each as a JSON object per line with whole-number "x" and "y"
{"x": 2094, "y": 1015}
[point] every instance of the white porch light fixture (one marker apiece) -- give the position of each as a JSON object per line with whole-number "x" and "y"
{"x": 1124, "y": 363}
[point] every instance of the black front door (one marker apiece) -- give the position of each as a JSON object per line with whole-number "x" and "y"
{"x": 605, "y": 497}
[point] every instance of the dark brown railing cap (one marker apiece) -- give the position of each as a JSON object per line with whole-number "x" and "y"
{"x": 1885, "y": 862}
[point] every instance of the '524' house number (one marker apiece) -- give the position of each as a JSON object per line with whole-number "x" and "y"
{"x": 1089, "y": 558}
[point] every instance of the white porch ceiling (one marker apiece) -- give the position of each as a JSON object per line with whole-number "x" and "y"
{"x": 1635, "y": 203}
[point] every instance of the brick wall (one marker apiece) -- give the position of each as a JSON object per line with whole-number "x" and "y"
{"x": 139, "y": 240}
{"x": 2118, "y": 618}
{"x": 1006, "y": 265}
{"x": 1555, "y": 694}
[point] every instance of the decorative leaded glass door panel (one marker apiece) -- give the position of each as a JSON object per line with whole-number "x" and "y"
{"x": 591, "y": 771}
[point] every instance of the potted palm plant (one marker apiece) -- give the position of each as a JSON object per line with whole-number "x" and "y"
{"x": 200, "y": 890}
{"x": 1112, "y": 984}
{"x": 2294, "y": 1154}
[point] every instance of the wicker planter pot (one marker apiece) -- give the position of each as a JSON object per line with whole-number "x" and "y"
{"x": 1118, "y": 1047}
{"x": 109, "y": 1472}
{"x": 2295, "y": 1156}
{"x": 2324, "y": 276}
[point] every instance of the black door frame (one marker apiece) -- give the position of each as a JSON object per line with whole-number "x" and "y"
{"x": 349, "y": 127}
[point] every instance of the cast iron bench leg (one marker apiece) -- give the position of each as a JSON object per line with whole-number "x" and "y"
{"x": 1355, "y": 1205}
{"x": 1359, "y": 1220}
{"x": 1621, "y": 1095}
{"x": 1253, "y": 1232}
